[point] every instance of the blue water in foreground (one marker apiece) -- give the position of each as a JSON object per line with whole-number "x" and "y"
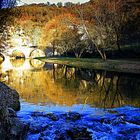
{"x": 103, "y": 124}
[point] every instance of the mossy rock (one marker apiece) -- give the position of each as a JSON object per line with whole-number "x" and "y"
{"x": 8, "y": 97}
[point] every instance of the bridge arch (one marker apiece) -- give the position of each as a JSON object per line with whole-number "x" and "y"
{"x": 18, "y": 54}
{"x": 36, "y": 53}
{"x": 2, "y": 58}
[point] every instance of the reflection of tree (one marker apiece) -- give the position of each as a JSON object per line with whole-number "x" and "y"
{"x": 108, "y": 89}
{"x": 130, "y": 87}
{"x": 17, "y": 62}
{"x": 103, "y": 88}
{"x": 111, "y": 92}
{"x": 66, "y": 76}
{"x": 65, "y": 85}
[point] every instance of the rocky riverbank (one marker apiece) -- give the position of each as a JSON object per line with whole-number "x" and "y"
{"x": 109, "y": 124}
{"x": 10, "y": 126}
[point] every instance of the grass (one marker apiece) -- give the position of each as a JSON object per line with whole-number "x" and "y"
{"x": 128, "y": 66}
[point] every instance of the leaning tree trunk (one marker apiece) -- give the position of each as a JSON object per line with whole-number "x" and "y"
{"x": 102, "y": 54}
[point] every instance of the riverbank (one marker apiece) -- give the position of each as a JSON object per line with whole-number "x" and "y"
{"x": 126, "y": 66}
{"x": 90, "y": 124}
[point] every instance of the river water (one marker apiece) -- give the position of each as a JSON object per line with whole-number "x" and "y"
{"x": 52, "y": 85}
{"x": 45, "y": 87}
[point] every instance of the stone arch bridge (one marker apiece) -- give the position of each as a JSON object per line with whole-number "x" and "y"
{"x": 23, "y": 52}
{"x": 17, "y": 53}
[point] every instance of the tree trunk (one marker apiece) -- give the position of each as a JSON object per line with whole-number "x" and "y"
{"x": 118, "y": 42}
{"x": 80, "y": 53}
{"x": 66, "y": 70}
{"x": 103, "y": 55}
{"x": 53, "y": 49}
{"x": 54, "y": 77}
{"x": 76, "y": 55}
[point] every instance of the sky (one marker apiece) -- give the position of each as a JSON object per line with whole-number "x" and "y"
{"x": 51, "y": 1}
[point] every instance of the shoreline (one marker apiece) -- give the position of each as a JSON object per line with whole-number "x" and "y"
{"x": 125, "y": 66}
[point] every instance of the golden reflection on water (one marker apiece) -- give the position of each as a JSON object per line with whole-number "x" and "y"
{"x": 63, "y": 86}
{"x": 17, "y": 62}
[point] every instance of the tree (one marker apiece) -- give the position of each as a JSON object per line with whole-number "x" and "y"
{"x": 64, "y": 36}
{"x": 53, "y": 4}
{"x": 48, "y": 3}
{"x": 5, "y": 20}
{"x": 105, "y": 28}
{"x": 71, "y": 41}
{"x": 68, "y": 4}
{"x": 59, "y": 4}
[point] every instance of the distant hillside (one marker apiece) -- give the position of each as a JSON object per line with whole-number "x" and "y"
{"x": 39, "y": 13}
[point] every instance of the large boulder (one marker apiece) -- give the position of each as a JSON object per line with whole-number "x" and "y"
{"x": 11, "y": 128}
{"x": 9, "y": 97}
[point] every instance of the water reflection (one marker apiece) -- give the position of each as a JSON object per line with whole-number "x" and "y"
{"x": 17, "y": 62}
{"x": 63, "y": 85}
{"x": 20, "y": 64}
{"x": 101, "y": 88}
{"x": 36, "y": 63}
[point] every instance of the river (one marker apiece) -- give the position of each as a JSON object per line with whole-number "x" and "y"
{"x": 45, "y": 87}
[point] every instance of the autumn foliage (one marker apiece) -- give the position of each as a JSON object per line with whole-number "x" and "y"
{"x": 99, "y": 24}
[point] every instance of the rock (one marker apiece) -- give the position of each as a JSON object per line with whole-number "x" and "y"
{"x": 44, "y": 126}
{"x": 18, "y": 130}
{"x": 10, "y": 127}
{"x": 133, "y": 119}
{"x": 73, "y": 116}
{"x": 4, "y": 113}
{"x": 52, "y": 116}
{"x": 44, "y": 138}
{"x": 37, "y": 114}
{"x": 104, "y": 120}
{"x": 44, "y": 133}
{"x": 12, "y": 113}
{"x": 118, "y": 120}
{"x": 98, "y": 127}
{"x": 112, "y": 111}
{"x": 79, "y": 133}
{"x": 129, "y": 131}
{"x": 38, "y": 128}
{"x": 62, "y": 136}
{"x": 35, "y": 130}
{"x": 9, "y": 97}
